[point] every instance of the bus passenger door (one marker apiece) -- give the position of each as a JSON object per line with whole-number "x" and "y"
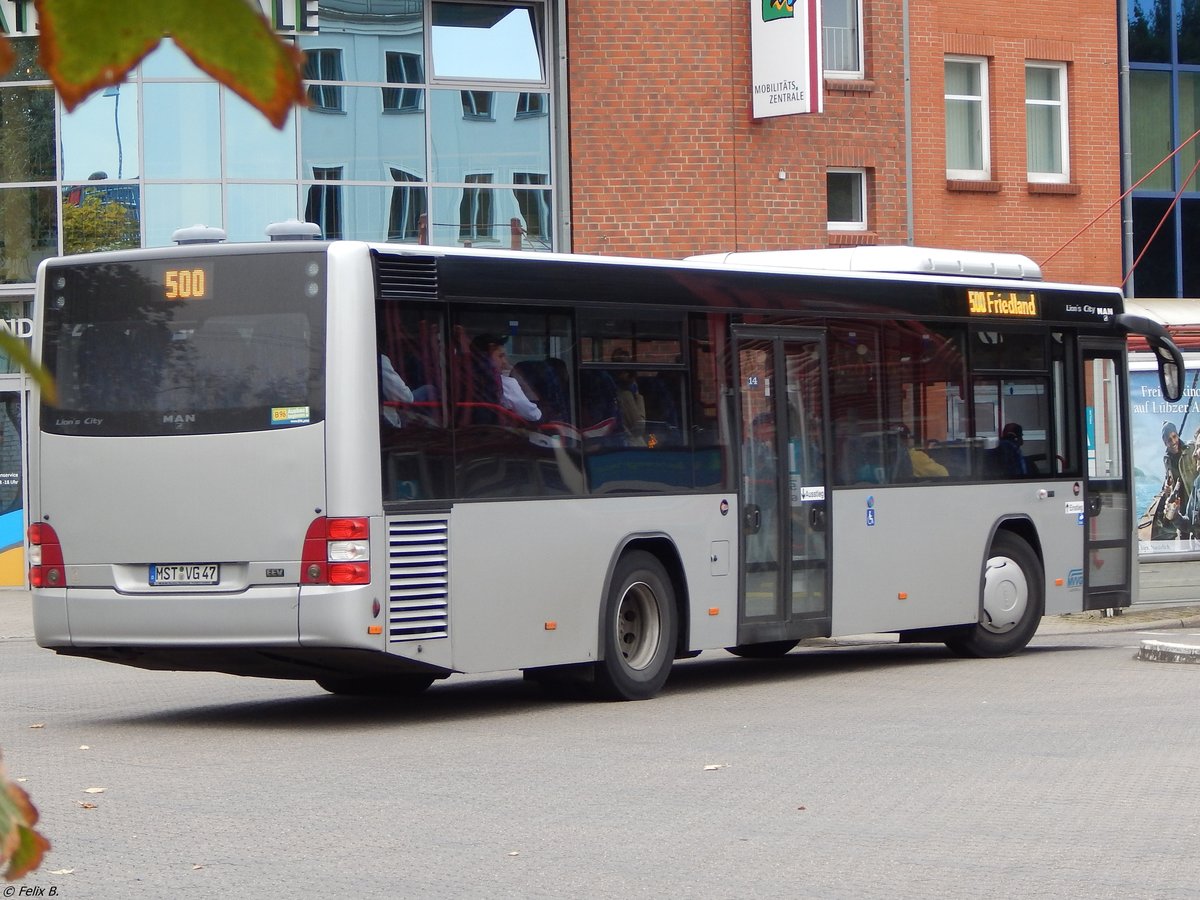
{"x": 1108, "y": 513}
{"x": 781, "y": 413}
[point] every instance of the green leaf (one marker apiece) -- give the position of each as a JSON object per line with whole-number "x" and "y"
{"x": 21, "y": 847}
{"x": 18, "y": 352}
{"x": 85, "y": 46}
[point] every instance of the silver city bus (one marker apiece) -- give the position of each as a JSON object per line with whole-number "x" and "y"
{"x": 377, "y": 465}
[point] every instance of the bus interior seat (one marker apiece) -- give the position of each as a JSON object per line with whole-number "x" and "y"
{"x": 599, "y": 412}
{"x": 545, "y": 378}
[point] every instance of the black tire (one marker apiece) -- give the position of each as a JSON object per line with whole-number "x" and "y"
{"x": 1012, "y": 601}
{"x": 638, "y": 630}
{"x": 397, "y": 686}
{"x": 766, "y": 650}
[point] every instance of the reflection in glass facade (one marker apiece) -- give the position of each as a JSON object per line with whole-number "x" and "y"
{"x": 429, "y": 120}
{"x": 29, "y": 229}
{"x": 1164, "y": 104}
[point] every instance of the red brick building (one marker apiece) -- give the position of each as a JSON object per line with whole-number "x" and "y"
{"x": 666, "y": 158}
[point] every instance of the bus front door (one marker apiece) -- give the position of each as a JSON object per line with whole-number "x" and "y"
{"x": 1107, "y": 496}
{"x": 781, "y": 413}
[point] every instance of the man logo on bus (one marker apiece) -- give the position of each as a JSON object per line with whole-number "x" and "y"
{"x": 778, "y": 9}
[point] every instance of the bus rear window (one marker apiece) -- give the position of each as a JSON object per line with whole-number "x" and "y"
{"x": 193, "y": 345}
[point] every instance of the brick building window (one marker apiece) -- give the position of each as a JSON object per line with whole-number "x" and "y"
{"x": 967, "y": 152}
{"x": 1046, "y": 122}
{"x": 846, "y": 199}
{"x": 841, "y": 38}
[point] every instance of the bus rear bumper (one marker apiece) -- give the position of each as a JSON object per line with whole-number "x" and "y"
{"x": 82, "y": 617}
{"x": 254, "y": 633}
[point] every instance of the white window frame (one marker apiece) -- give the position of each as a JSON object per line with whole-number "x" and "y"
{"x": 541, "y": 27}
{"x": 984, "y": 173}
{"x": 859, "y": 71}
{"x": 850, "y": 225}
{"x": 1064, "y": 144}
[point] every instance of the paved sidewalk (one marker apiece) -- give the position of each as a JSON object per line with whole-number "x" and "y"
{"x": 16, "y": 616}
{"x": 1139, "y": 617}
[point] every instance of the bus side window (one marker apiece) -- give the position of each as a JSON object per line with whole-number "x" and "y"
{"x": 854, "y": 379}
{"x": 634, "y": 406}
{"x": 1012, "y": 419}
{"x": 414, "y": 438}
{"x": 513, "y": 419}
{"x": 926, "y": 375}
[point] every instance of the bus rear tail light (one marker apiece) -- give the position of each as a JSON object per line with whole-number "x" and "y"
{"x": 336, "y": 551}
{"x": 46, "y": 568}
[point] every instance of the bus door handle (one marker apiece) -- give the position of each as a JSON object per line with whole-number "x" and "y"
{"x": 752, "y": 518}
{"x": 816, "y": 517}
{"x": 1095, "y": 503}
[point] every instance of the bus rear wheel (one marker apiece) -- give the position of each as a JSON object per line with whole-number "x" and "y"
{"x": 639, "y": 627}
{"x": 1012, "y": 601}
{"x": 397, "y": 686}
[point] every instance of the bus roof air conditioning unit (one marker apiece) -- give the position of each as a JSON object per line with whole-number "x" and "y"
{"x": 199, "y": 234}
{"x": 293, "y": 230}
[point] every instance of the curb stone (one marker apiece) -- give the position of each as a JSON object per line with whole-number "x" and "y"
{"x": 1160, "y": 651}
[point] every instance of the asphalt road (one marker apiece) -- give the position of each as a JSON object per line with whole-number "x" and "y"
{"x": 851, "y": 770}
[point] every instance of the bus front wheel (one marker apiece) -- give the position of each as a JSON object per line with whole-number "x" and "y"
{"x": 1012, "y": 601}
{"x": 639, "y": 626}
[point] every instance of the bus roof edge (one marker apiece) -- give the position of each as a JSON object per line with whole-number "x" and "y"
{"x": 894, "y": 259}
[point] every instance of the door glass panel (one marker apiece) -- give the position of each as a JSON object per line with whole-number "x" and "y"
{"x": 781, "y": 403}
{"x": 760, "y": 478}
{"x": 1108, "y": 499}
{"x": 1103, "y": 420}
{"x": 806, "y": 475}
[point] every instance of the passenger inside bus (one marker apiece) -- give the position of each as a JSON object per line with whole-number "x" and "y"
{"x": 630, "y": 402}
{"x": 504, "y": 388}
{"x": 395, "y": 391}
{"x": 923, "y": 465}
{"x": 1011, "y": 458}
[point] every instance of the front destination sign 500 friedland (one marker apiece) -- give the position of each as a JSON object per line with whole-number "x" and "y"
{"x": 1021, "y": 304}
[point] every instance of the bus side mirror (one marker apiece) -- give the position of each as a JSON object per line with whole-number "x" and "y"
{"x": 1170, "y": 368}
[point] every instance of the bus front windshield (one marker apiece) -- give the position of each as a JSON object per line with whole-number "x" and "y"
{"x": 189, "y": 345}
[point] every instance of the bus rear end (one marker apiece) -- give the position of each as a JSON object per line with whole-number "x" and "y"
{"x": 178, "y": 485}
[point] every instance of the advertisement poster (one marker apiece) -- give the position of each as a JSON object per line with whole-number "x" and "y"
{"x": 1166, "y": 460}
{"x": 12, "y": 513}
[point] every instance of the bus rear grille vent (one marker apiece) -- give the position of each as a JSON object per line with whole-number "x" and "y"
{"x": 418, "y": 586}
{"x": 406, "y": 277}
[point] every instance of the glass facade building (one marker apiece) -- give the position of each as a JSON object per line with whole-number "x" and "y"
{"x": 428, "y": 120}
{"x": 1164, "y": 113}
